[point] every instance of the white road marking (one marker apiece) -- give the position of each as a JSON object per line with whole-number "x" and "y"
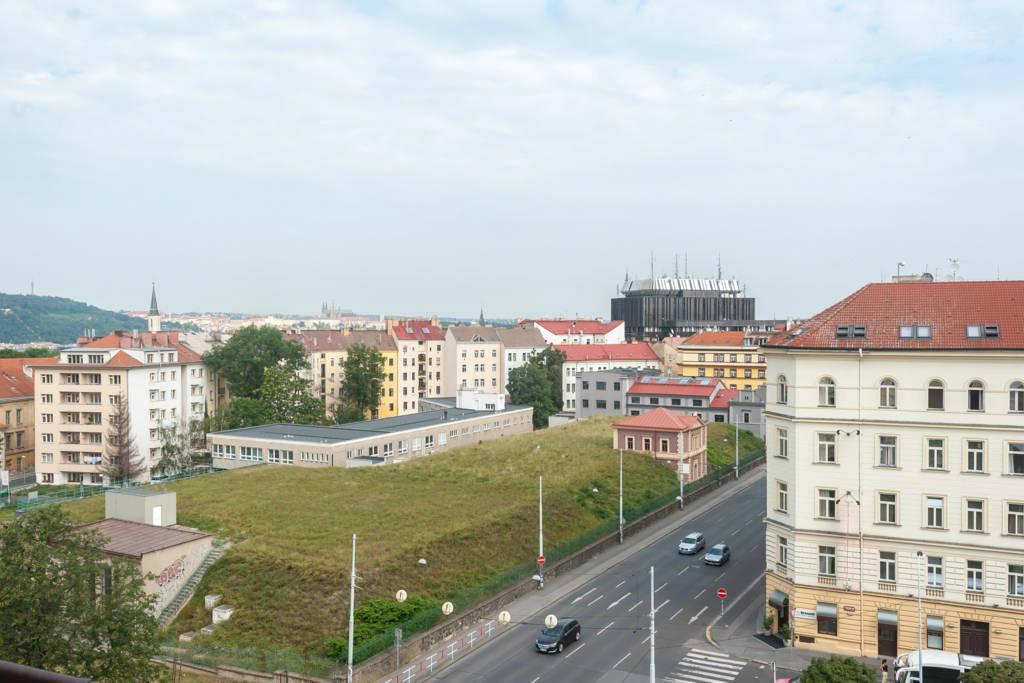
{"x": 575, "y": 650}
{"x": 710, "y": 653}
{"x": 704, "y": 666}
{"x": 535, "y": 680}
{"x": 700, "y": 594}
{"x": 656, "y": 609}
{"x": 584, "y": 595}
{"x": 619, "y": 585}
{"x": 703, "y": 659}
{"x": 616, "y": 664}
{"x": 645, "y": 640}
{"x": 599, "y": 597}
{"x": 605, "y": 628}
{"x": 658, "y": 589}
{"x": 719, "y": 576}
{"x": 696, "y": 616}
{"x": 619, "y": 600}
{"x": 676, "y": 614}
{"x": 735, "y": 532}
{"x": 685, "y": 569}
{"x": 635, "y": 606}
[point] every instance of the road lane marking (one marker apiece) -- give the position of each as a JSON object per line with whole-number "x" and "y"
{"x": 620, "y": 584}
{"x": 704, "y": 659}
{"x": 676, "y": 614}
{"x": 719, "y": 576}
{"x": 735, "y": 532}
{"x": 599, "y": 597}
{"x": 619, "y": 600}
{"x": 635, "y": 606}
{"x": 696, "y": 616}
{"x": 575, "y": 650}
{"x": 685, "y": 569}
{"x": 606, "y": 628}
{"x": 710, "y": 653}
{"x": 660, "y": 606}
{"x": 535, "y": 680}
{"x": 658, "y": 589}
{"x": 700, "y": 594}
{"x": 584, "y": 595}
{"x": 616, "y": 664}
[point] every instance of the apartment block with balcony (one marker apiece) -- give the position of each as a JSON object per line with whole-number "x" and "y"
{"x": 420, "y": 370}
{"x": 733, "y": 357}
{"x": 895, "y": 436}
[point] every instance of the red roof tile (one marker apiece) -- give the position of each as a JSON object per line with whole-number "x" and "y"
{"x": 14, "y": 383}
{"x": 674, "y": 386}
{"x": 947, "y": 307}
{"x": 577, "y": 326}
{"x": 662, "y": 419}
{"x": 715, "y": 339}
{"x": 122, "y": 339}
{"x": 724, "y": 397}
{"x": 122, "y": 360}
{"x": 415, "y": 330}
{"x": 575, "y": 353}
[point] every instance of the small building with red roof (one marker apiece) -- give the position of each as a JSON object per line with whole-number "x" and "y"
{"x": 17, "y": 413}
{"x": 671, "y": 437}
{"x": 578, "y": 331}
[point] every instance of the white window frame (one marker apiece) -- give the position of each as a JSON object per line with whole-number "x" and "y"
{"x": 826, "y": 455}
{"x": 825, "y": 502}
{"x": 781, "y": 496}
{"x": 827, "y": 561}
{"x": 971, "y": 455}
{"x": 934, "y": 571}
{"x": 826, "y": 392}
{"x": 975, "y": 576}
{"x": 783, "y": 442}
{"x": 935, "y": 455}
{"x": 887, "y": 566}
{"x": 934, "y": 513}
{"x": 975, "y": 519}
{"x": 892, "y": 506}
{"x": 895, "y": 446}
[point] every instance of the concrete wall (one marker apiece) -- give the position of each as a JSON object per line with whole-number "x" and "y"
{"x": 171, "y": 568}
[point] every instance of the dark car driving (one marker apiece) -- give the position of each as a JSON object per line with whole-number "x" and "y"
{"x": 556, "y": 638}
{"x": 718, "y": 555}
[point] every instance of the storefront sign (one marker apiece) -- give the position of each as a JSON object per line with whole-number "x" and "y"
{"x": 849, "y": 609}
{"x": 800, "y": 613}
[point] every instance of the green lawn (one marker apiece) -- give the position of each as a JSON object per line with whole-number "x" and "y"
{"x": 722, "y": 444}
{"x": 471, "y": 512}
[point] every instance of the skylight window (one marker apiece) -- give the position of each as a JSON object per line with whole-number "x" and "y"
{"x": 918, "y": 331}
{"x": 924, "y": 331}
{"x": 991, "y": 330}
{"x": 979, "y": 331}
{"x": 851, "y": 331}
{"x": 906, "y": 331}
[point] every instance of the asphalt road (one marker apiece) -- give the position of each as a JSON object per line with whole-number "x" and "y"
{"x": 614, "y": 609}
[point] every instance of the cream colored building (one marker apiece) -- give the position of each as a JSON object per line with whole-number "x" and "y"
{"x": 420, "y": 371}
{"x": 17, "y": 413}
{"x": 895, "y": 432}
{"x": 473, "y": 359}
{"x": 733, "y": 357}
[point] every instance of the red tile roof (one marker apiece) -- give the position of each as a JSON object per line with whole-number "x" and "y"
{"x": 715, "y": 339}
{"x": 122, "y": 360}
{"x": 661, "y": 419}
{"x": 724, "y": 397}
{"x": 674, "y": 386}
{"x": 577, "y": 326}
{"x": 415, "y": 330}
{"x": 122, "y": 339}
{"x": 575, "y": 353}
{"x": 14, "y": 383}
{"x": 947, "y": 307}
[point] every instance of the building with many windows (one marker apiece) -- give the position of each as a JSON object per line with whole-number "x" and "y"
{"x": 895, "y": 437}
{"x": 581, "y": 358}
{"x": 17, "y": 413}
{"x": 519, "y": 345}
{"x": 733, "y": 357}
{"x": 473, "y": 359}
{"x": 577, "y": 331}
{"x": 420, "y": 372}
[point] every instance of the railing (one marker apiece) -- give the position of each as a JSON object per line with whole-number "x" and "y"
{"x": 974, "y": 596}
{"x": 887, "y": 586}
{"x": 934, "y": 592}
{"x": 1012, "y": 601}
{"x": 826, "y": 580}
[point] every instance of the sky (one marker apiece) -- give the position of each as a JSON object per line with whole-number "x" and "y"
{"x": 443, "y": 156}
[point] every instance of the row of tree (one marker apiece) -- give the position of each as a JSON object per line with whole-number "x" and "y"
{"x": 849, "y": 670}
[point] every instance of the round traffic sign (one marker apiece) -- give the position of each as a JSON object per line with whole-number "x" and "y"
{"x": 551, "y": 621}
{"x": 504, "y": 617}
{"x": 722, "y": 593}
{"x": 447, "y": 608}
{"x": 540, "y": 559}
{"x": 401, "y": 596}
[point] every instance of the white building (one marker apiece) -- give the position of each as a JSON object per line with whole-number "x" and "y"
{"x": 580, "y": 331}
{"x": 596, "y": 357}
{"x": 895, "y": 431}
{"x": 519, "y": 345}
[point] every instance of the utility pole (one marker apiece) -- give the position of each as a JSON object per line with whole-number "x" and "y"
{"x": 540, "y": 504}
{"x": 621, "y": 520}
{"x": 737, "y": 447}
{"x": 682, "y": 480}
{"x": 653, "y": 677}
{"x": 352, "y": 609}
{"x": 920, "y": 622}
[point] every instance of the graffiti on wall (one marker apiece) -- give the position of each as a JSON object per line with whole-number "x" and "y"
{"x": 172, "y": 577}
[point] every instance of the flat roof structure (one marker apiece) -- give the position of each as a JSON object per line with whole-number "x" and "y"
{"x": 133, "y": 539}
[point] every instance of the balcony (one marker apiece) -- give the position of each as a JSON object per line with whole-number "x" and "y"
{"x": 1014, "y": 601}
{"x": 886, "y": 586}
{"x": 69, "y": 438}
{"x": 974, "y": 596}
{"x": 93, "y": 399}
{"x": 826, "y": 580}
{"x": 934, "y": 592}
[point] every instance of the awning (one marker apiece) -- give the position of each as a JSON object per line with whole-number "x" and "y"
{"x": 778, "y": 599}
{"x": 826, "y": 609}
{"x": 935, "y": 623}
{"x": 888, "y": 617}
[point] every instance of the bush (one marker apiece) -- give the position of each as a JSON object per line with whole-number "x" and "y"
{"x": 375, "y": 618}
{"x": 837, "y": 670}
{"x": 995, "y": 672}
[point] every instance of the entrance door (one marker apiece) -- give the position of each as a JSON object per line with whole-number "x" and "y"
{"x": 158, "y": 517}
{"x": 888, "y": 635}
{"x": 973, "y": 638}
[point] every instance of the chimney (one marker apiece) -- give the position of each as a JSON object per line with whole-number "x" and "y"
{"x": 444, "y": 416}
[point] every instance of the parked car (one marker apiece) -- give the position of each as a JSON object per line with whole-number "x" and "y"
{"x": 556, "y": 638}
{"x": 718, "y": 555}
{"x": 939, "y": 666}
{"x": 692, "y": 544}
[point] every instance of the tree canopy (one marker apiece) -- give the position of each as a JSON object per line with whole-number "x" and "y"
{"x": 67, "y": 607}
{"x": 246, "y": 356}
{"x": 286, "y": 397}
{"x": 538, "y": 383}
{"x": 995, "y": 672}
{"x": 838, "y": 670}
{"x": 361, "y": 383}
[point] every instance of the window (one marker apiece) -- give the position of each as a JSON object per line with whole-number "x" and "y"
{"x": 1015, "y": 580}
{"x": 975, "y": 515}
{"x": 936, "y": 629}
{"x": 700, "y": 357}
{"x": 630, "y": 443}
{"x": 428, "y": 441}
{"x": 47, "y": 477}
{"x": 935, "y": 512}
{"x": 976, "y": 396}
{"x": 48, "y": 457}
{"x": 936, "y": 395}
{"x": 887, "y": 566}
{"x": 827, "y": 560}
{"x": 887, "y": 451}
{"x": 783, "y": 442}
{"x": 634, "y": 399}
{"x": 617, "y": 405}
{"x": 975, "y": 460}
{"x": 664, "y": 445}
{"x": 1015, "y": 519}
{"x": 1017, "y": 397}
{"x": 827, "y": 448}
{"x": 47, "y": 417}
{"x": 647, "y": 444}
{"x": 827, "y": 503}
{"x": 586, "y": 385}
{"x": 887, "y": 393}
{"x": 417, "y": 444}
{"x": 601, "y": 386}
{"x": 403, "y": 447}
{"x": 783, "y": 390}
{"x": 887, "y": 508}
{"x": 677, "y": 401}
{"x": 975, "y": 576}
{"x": 585, "y": 403}
{"x": 826, "y": 392}
{"x": 250, "y": 453}
{"x": 654, "y": 400}
{"x": 783, "y": 557}
{"x": 936, "y": 454}
{"x": 1015, "y": 459}
{"x": 934, "y": 572}
{"x": 782, "y": 490}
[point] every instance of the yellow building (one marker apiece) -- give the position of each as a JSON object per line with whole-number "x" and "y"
{"x": 17, "y": 413}
{"x": 733, "y": 357}
{"x": 327, "y": 351}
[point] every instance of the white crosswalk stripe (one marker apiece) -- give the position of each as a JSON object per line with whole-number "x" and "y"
{"x": 706, "y": 666}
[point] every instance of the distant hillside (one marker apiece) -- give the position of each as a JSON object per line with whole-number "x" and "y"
{"x": 25, "y": 318}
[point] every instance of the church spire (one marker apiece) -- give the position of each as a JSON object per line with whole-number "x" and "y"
{"x": 153, "y": 309}
{"x": 482, "y": 321}
{"x": 153, "y": 319}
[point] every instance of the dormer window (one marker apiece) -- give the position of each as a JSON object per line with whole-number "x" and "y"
{"x": 851, "y": 331}
{"x": 991, "y": 330}
{"x": 915, "y": 331}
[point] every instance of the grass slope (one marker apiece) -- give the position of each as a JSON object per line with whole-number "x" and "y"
{"x": 470, "y": 512}
{"x": 722, "y": 444}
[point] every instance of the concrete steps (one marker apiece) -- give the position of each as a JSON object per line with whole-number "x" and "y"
{"x": 185, "y": 593}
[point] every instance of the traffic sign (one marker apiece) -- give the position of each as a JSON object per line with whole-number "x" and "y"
{"x": 540, "y": 559}
{"x": 722, "y": 593}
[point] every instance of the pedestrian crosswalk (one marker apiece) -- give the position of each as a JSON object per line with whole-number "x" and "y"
{"x": 706, "y": 666}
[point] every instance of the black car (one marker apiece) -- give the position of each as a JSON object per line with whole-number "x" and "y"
{"x": 718, "y": 555}
{"x": 555, "y": 639}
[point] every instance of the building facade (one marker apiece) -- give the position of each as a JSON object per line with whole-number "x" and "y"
{"x": 576, "y": 331}
{"x": 162, "y": 380}
{"x": 672, "y": 439}
{"x": 733, "y": 357}
{"x": 473, "y": 359}
{"x": 603, "y": 392}
{"x": 519, "y": 345}
{"x": 895, "y": 435}
{"x": 17, "y": 413}
{"x": 580, "y": 358}
{"x": 420, "y": 374}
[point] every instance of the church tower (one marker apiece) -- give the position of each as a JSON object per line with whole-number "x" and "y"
{"x": 153, "y": 318}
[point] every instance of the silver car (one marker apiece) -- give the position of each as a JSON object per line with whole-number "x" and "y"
{"x": 692, "y": 544}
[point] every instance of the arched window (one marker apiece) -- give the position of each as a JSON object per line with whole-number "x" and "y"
{"x": 887, "y": 393}
{"x": 976, "y": 396}
{"x": 1017, "y": 397}
{"x": 826, "y": 392}
{"x": 936, "y": 395}
{"x": 783, "y": 390}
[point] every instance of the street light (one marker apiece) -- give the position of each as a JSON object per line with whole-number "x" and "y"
{"x": 540, "y": 515}
{"x": 622, "y": 521}
{"x": 920, "y": 620}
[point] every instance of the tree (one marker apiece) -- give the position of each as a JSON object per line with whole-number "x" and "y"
{"x": 991, "y": 671}
{"x": 361, "y": 383}
{"x": 246, "y": 356}
{"x": 286, "y": 397}
{"x": 551, "y": 359}
{"x": 182, "y": 442}
{"x": 837, "y": 670}
{"x": 241, "y": 412}
{"x": 528, "y": 386}
{"x": 68, "y": 607}
{"x": 30, "y": 352}
{"x": 121, "y": 461}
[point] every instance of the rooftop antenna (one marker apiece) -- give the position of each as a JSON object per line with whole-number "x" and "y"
{"x": 899, "y": 269}
{"x": 954, "y": 268}
{"x": 719, "y": 265}
{"x": 677, "y": 266}
{"x": 686, "y": 264}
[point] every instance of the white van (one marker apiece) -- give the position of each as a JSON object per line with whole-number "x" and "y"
{"x": 939, "y": 666}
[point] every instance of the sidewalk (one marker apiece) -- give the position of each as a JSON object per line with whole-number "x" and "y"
{"x": 735, "y": 634}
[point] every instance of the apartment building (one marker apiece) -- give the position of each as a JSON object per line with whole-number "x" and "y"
{"x": 473, "y": 359}
{"x": 733, "y": 357}
{"x": 420, "y": 372}
{"x": 519, "y": 345}
{"x": 326, "y": 353}
{"x": 895, "y": 431}
{"x": 581, "y": 358}
{"x": 17, "y": 413}
{"x": 559, "y": 331}
{"x": 161, "y": 378}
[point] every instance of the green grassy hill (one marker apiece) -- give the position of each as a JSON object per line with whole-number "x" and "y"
{"x": 471, "y": 512}
{"x": 722, "y": 444}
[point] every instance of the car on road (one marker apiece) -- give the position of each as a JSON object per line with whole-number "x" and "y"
{"x": 718, "y": 555}
{"x": 692, "y": 544}
{"x": 555, "y": 639}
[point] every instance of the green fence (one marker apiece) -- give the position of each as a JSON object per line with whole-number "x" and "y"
{"x": 216, "y": 655}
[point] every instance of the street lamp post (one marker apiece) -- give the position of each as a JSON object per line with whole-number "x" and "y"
{"x": 540, "y": 512}
{"x": 621, "y": 519}
{"x": 920, "y": 620}
{"x": 737, "y": 447}
{"x": 653, "y": 677}
{"x": 352, "y": 609}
